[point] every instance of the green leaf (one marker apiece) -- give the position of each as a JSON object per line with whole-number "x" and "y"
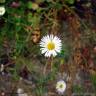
{"x": 30, "y": 5}
{"x": 93, "y": 79}
{"x": 49, "y": 0}
{"x": 70, "y": 1}
{"x": 18, "y": 27}
{"x": 2, "y": 1}
{"x": 34, "y": 20}
{"x": 14, "y": 73}
{"x": 58, "y": 6}
{"x": 40, "y": 1}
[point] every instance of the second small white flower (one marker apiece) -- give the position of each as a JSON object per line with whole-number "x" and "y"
{"x": 60, "y": 87}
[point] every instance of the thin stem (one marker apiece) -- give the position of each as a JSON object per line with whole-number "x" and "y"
{"x": 51, "y": 63}
{"x": 45, "y": 67}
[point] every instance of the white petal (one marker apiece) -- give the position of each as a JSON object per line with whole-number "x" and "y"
{"x": 43, "y": 44}
{"x": 56, "y": 39}
{"x": 47, "y": 54}
{"x": 51, "y": 37}
{"x": 54, "y": 53}
{"x": 44, "y": 51}
{"x": 48, "y": 37}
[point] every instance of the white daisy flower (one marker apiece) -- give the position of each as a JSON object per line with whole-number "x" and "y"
{"x": 2, "y": 10}
{"x": 60, "y": 86}
{"x": 21, "y": 92}
{"x": 50, "y": 45}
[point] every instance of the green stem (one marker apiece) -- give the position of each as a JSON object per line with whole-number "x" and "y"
{"x": 45, "y": 67}
{"x": 51, "y": 63}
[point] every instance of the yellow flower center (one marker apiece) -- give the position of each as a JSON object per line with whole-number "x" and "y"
{"x": 61, "y": 86}
{"x": 50, "y": 46}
